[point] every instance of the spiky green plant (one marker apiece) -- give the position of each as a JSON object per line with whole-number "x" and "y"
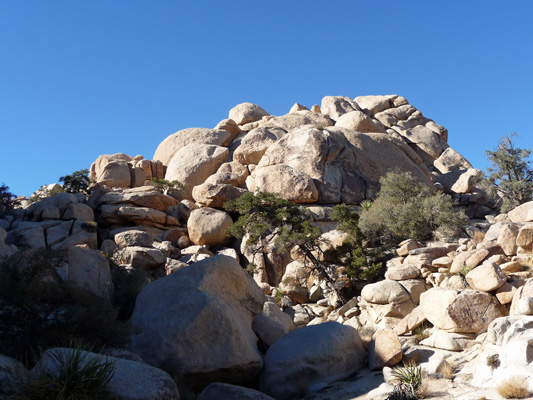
{"x": 408, "y": 377}
{"x": 72, "y": 374}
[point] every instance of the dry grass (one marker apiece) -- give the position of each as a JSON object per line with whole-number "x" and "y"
{"x": 513, "y": 388}
{"x": 447, "y": 370}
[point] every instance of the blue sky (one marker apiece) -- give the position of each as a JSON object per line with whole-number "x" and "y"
{"x": 84, "y": 78}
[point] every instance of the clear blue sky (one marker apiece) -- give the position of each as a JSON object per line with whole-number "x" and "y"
{"x": 84, "y": 78}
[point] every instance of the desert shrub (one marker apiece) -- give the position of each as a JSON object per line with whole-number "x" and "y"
{"x": 510, "y": 173}
{"x": 77, "y": 182}
{"x": 405, "y": 209}
{"x": 447, "y": 369}
{"x": 422, "y": 331}
{"x": 74, "y": 375}
{"x": 7, "y": 200}
{"x": 515, "y": 387}
{"x": 265, "y": 217}
{"x": 408, "y": 380}
{"x": 38, "y": 310}
{"x": 168, "y": 187}
{"x": 360, "y": 262}
{"x": 44, "y": 192}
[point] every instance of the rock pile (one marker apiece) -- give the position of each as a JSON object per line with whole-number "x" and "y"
{"x": 206, "y": 320}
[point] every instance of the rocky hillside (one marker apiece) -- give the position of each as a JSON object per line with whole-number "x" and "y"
{"x": 202, "y": 318}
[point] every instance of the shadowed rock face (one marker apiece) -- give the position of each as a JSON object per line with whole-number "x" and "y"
{"x": 197, "y": 323}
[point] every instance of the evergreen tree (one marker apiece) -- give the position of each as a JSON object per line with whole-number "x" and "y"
{"x": 511, "y": 173}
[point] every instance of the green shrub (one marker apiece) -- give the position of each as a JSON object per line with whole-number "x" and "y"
{"x": 405, "y": 209}
{"x": 168, "y": 187}
{"x": 74, "y": 375}
{"x": 44, "y": 193}
{"x": 38, "y": 310}
{"x": 77, "y": 182}
{"x": 510, "y": 173}
{"x": 7, "y": 202}
{"x": 408, "y": 379}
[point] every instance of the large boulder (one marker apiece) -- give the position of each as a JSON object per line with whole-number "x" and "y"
{"x": 131, "y": 380}
{"x": 207, "y": 226}
{"x": 384, "y": 350}
{"x": 315, "y": 354}
{"x": 522, "y": 213}
{"x": 463, "y": 311}
{"x": 194, "y": 163}
{"x": 460, "y": 180}
{"x": 289, "y": 183}
{"x": 247, "y": 112}
{"x": 375, "y": 104}
{"x": 385, "y": 292}
{"x": 358, "y": 121}
{"x": 487, "y": 277}
{"x": 255, "y": 143}
{"x": 113, "y": 170}
{"x": 168, "y": 148}
{"x": 450, "y": 160}
{"x": 336, "y": 106}
{"x": 197, "y": 323}
{"x": 271, "y": 324}
{"x": 89, "y": 269}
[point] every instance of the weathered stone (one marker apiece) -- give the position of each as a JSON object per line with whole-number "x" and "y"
{"x": 460, "y": 180}
{"x": 385, "y": 292}
{"x": 141, "y": 257}
{"x": 525, "y": 237}
{"x": 406, "y": 246}
{"x": 168, "y": 148}
{"x": 294, "y": 282}
{"x": 146, "y": 196}
{"x": 194, "y": 163}
{"x": 256, "y": 143}
{"x": 206, "y": 226}
{"x": 133, "y": 238}
{"x": 289, "y": 183}
{"x": 448, "y": 340}
{"x": 505, "y": 293}
{"x": 374, "y": 104}
{"x": 525, "y": 291}
{"x": 314, "y": 354}
{"x": 385, "y": 350}
{"x": 213, "y": 299}
{"x": 271, "y": 324}
{"x": 358, "y": 121}
{"x": 450, "y": 160}
{"x": 463, "y": 311}
{"x": 487, "y": 277}
{"x": 407, "y": 271}
{"x": 415, "y": 287}
{"x": 511, "y": 266}
{"x": 521, "y": 213}
{"x": 475, "y": 259}
{"x": 209, "y": 195}
{"x": 78, "y": 211}
{"x": 336, "y": 106}
{"x": 89, "y": 269}
{"x": 246, "y": 112}
{"x": 507, "y": 238}
{"x": 411, "y": 321}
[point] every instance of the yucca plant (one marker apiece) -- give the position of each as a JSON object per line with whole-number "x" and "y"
{"x": 408, "y": 379}
{"x": 71, "y": 374}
